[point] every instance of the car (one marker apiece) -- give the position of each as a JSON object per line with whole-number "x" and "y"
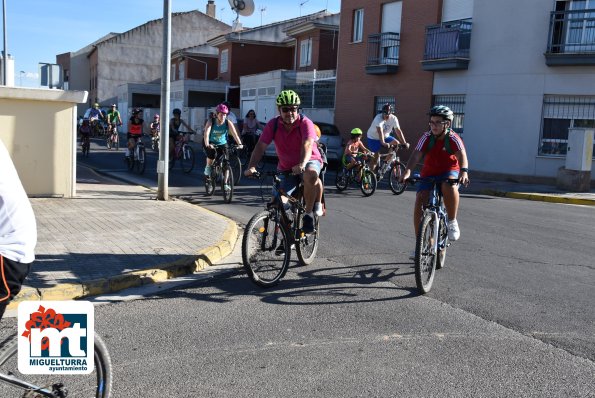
{"x": 330, "y": 137}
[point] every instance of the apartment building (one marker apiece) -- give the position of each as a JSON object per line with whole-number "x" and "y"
{"x": 518, "y": 75}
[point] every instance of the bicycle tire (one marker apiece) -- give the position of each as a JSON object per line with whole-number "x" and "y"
{"x": 443, "y": 240}
{"x": 130, "y": 160}
{"x": 425, "y": 261}
{"x": 76, "y": 385}
{"x": 141, "y": 163}
{"x": 117, "y": 141}
{"x": 210, "y": 182}
{"x": 368, "y": 182}
{"x": 341, "y": 180}
{"x": 396, "y": 171}
{"x": 307, "y": 244}
{"x": 108, "y": 143}
{"x": 187, "y": 159}
{"x": 265, "y": 252}
{"x": 236, "y": 166}
{"x": 227, "y": 179}
{"x": 86, "y": 146}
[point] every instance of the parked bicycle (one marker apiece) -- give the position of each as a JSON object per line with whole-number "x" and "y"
{"x": 361, "y": 174}
{"x": 432, "y": 238}
{"x": 136, "y": 160}
{"x": 271, "y": 234}
{"x": 396, "y": 168}
{"x": 14, "y": 384}
{"x": 183, "y": 153}
{"x": 113, "y": 140}
{"x": 222, "y": 172}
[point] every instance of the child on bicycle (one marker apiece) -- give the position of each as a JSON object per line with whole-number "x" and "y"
{"x": 85, "y": 130}
{"x": 354, "y": 149}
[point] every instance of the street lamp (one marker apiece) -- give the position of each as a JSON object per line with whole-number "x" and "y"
{"x": 21, "y": 78}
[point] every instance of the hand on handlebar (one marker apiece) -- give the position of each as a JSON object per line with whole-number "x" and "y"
{"x": 251, "y": 172}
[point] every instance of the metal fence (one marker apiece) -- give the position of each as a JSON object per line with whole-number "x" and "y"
{"x": 316, "y": 88}
{"x": 448, "y": 40}
{"x": 572, "y": 32}
{"x": 383, "y": 48}
{"x": 560, "y": 113}
{"x": 457, "y": 104}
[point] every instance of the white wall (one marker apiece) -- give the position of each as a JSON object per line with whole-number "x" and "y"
{"x": 505, "y": 84}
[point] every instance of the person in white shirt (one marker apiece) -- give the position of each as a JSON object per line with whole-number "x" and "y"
{"x": 18, "y": 231}
{"x": 379, "y": 133}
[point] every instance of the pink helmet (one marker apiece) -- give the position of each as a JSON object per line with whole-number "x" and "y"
{"x": 156, "y": 117}
{"x": 222, "y": 108}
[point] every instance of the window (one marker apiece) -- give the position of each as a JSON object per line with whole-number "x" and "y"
{"x": 380, "y": 101}
{"x": 457, "y": 104}
{"x": 181, "y": 70}
{"x": 561, "y": 112}
{"x": 306, "y": 52}
{"x": 358, "y": 25}
{"x": 223, "y": 61}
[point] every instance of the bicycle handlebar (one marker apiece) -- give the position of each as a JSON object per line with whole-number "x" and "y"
{"x": 451, "y": 181}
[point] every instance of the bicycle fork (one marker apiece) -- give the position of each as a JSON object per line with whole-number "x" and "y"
{"x": 435, "y": 237}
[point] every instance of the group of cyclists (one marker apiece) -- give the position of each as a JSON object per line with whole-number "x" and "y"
{"x": 440, "y": 149}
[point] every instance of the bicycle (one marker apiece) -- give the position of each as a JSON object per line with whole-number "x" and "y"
{"x": 360, "y": 174}
{"x": 221, "y": 171}
{"x": 271, "y": 234}
{"x": 136, "y": 158}
{"x": 113, "y": 140}
{"x": 13, "y": 383}
{"x": 432, "y": 238}
{"x": 98, "y": 128}
{"x": 235, "y": 162}
{"x": 396, "y": 167}
{"x": 184, "y": 153}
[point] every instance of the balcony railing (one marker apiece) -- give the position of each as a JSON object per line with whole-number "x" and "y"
{"x": 383, "y": 53}
{"x": 447, "y": 45}
{"x": 571, "y": 39}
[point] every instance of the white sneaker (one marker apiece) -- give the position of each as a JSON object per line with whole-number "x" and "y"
{"x": 318, "y": 209}
{"x": 454, "y": 233}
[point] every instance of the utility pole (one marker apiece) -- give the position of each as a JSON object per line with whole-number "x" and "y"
{"x": 163, "y": 162}
{"x": 5, "y": 59}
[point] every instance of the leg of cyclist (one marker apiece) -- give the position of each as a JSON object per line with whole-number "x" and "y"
{"x": 451, "y": 203}
{"x": 312, "y": 191}
{"x": 374, "y": 146}
{"x": 13, "y": 275}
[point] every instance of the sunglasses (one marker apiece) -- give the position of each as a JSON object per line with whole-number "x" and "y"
{"x": 287, "y": 109}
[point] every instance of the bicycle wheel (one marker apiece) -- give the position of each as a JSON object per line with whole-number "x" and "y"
{"x": 140, "y": 162}
{"x": 265, "y": 252}
{"x": 368, "y": 182}
{"x": 307, "y": 245}
{"x": 86, "y": 145}
{"x": 130, "y": 160}
{"x": 425, "y": 261}
{"x": 341, "y": 181}
{"x": 227, "y": 183}
{"x": 116, "y": 141}
{"x": 97, "y": 384}
{"x": 109, "y": 142}
{"x": 442, "y": 244}
{"x": 187, "y": 159}
{"x": 396, "y": 171}
{"x": 210, "y": 181}
{"x": 236, "y": 167}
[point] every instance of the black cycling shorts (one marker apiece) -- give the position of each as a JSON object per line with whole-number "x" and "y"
{"x": 12, "y": 276}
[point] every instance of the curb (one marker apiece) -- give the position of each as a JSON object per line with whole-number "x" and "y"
{"x": 184, "y": 266}
{"x": 552, "y": 198}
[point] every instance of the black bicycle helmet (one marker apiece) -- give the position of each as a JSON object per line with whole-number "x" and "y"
{"x": 441, "y": 110}
{"x": 177, "y": 111}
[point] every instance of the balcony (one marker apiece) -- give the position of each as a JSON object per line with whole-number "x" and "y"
{"x": 383, "y": 53}
{"x": 447, "y": 46}
{"x": 571, "y": 38}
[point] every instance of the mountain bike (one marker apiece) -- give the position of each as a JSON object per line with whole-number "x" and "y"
{"x": 113, "y": 140}
{"x": 396, "y": 167}
{"x": 183, "y": 153}
{"x": 271, "y": 234}
{"x": 360, "y": 174}
{"x": 235, "y": 162}
{"x": 432, "y": 238}
{"x": 14, "y": 384}
{"x": 221, "y": 171}
{"x": 136, "y": 159}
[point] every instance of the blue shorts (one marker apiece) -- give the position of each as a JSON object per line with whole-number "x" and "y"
{"x": 375, "y": 145}
{"x": 427, "y": 185}
{"x": 290, "y": 182}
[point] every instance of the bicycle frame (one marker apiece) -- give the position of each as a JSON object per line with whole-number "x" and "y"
{"x": 292, "y": 200}
{"x": 383, "y": 166}
{"x": 435, "y": 207}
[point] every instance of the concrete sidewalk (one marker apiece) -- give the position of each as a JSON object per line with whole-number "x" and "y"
{"x": 116, "y": 236}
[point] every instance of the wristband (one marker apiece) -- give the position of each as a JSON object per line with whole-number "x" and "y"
{"x": 464, "y": 170}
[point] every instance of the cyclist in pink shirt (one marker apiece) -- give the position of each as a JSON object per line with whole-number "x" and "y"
{"x": 294, "y": 137}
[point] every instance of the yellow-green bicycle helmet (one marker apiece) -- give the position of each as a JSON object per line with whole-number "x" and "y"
{"x": 356, "y": 131}
{"x": 288, "y": 97}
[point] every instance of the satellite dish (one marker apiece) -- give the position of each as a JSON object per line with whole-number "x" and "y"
{"x": 242, "y": 7}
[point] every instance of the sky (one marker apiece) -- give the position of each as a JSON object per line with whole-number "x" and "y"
{"x": 38, "y": 30}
